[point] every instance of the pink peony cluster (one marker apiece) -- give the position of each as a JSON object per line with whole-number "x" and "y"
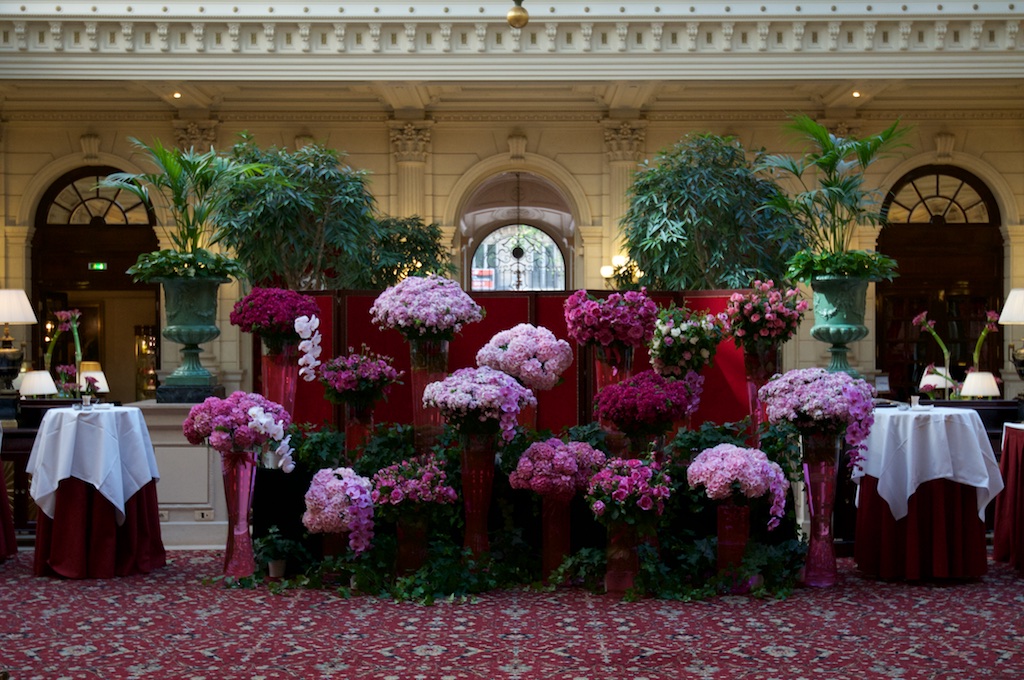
{"x": 554, "y": 467}
{"x": 425, "y": 307}
{"x": 480, "y": 399}
{"x": 530, "y": 354}
{"x": 764, "y": 315}
{"x": 412, "y": 482}
{"x": 649, "y": 403}
{"x": 728, "y": 469}
{"x": 627, "y": 490}
{"x": 359, "y": 379}
{"x": 626, "y": 318}
{"x": 685, "y": 341}
{"x": 242, "y": 422}
{"x": 270, "y": 313}
{"x": 337, "y": 501}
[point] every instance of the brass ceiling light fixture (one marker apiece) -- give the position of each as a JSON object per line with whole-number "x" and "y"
{"x": 517, "y": 16}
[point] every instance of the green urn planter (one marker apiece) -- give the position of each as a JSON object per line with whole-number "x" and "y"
{"x": 839, "y": 306}
{"x": 191, "y": 306}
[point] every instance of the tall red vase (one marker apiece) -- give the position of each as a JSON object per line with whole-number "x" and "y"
{"x": 760, "y": 364}
{"x": 429, "y": 363}
{"x": 280, "y": 375}
{"x": 555, "y": 531}
{"x": 821, "y": 455}
{"x": 239, "y": 472}
{"x": 623, "y": 560}
{"x": 612, "y": 364}
{"x": 358, "y": 429}
{"x": 411, "y": 531}
{"x": 477, "y": 482}
{"x": 733, "y": 535}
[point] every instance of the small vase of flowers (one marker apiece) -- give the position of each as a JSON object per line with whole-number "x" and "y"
{"x": 358, "y": 381}
{"x": 340, "y": 501}
{"x": 647, "y": 404}
{"x": 685, "y": 340}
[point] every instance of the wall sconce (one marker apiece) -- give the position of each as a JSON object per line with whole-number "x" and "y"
{"x": 619, "y": 261}
{"x": 607, "y": 271}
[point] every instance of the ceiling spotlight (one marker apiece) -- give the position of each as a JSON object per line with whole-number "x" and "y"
{"x": 517, "y": 16}
{"x": 177, "y": 95}
{"x": 856, "y": 94}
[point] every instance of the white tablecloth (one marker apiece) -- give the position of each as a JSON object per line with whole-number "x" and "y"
{"x": 109, "y": 448}
{"x": 909, "y": 447}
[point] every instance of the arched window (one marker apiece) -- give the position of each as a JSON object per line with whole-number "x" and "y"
{"x": 518, "y": 257}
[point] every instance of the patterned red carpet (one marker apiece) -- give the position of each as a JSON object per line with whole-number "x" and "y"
{"x": 172, "y": 624}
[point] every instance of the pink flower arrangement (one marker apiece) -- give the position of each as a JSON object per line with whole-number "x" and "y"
{"x": 270, "y": 313}
{"x": 727, "y": 470}
{"x": 817, "y": 401}
{"x": 67, "y": 321}
{"x": 242, "y": 422}
{"x": 358, "y": 379}
{"x": 431, "y": 307}
{"x": 765, "y": 315}
{"x": 67, "y": 380}
{"x": 685, "y": 341}
{"x": 479, "y": 399}
{"x": 928, "y": 326}
{"x": 530, "y": 354}
{"x": 556, "y": 468}
{"x": 337, "y": 501}
{"x": 626, "y": 318}
{"x": 649, "y": 403}
{"x": 628, "y": 490}
{"x": 411, "y": 483}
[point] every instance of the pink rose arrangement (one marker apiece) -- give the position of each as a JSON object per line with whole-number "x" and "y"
{"x": 764, "y": 315}
{"x": 556, "y": 468}
{"x": 628, "y": 490}
{"x": 430, "y": 307}
{"x": 337, "y": 501}
{"x": 530, "y": 354}
{"x": 240, "y": 423}
{"x": 67, "y": 322}
{"x": 685, "y": 341}
{"x": 649, "y": 403}
{"x": 817, "y": 401}
{"x": 480, "y": 399}
{"x": 409, "y": 484}
{"x": 270, "y": 313}
{"x": 358, "y": 379}
{"x": 624, "y": 318}
{"x": 728, "y": 470}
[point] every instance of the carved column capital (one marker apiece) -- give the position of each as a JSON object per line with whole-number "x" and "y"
{"x": 410, "y": 142}
{"x": 624, "y": 140}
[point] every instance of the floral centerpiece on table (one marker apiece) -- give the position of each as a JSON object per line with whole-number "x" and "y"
{"x": 530, "y": 354}
{"x": 410, "y": 484}
{"x": 764, "y": 316}
{"x": 632, "y": 491}
{"x": 817, "y": 401}
{"x": 479, "y": 399}
{"x": 339, "y": 500}
{"x": 556, "y": 468}
{"x": 624, "y": 318}
{"x": 429, "y": 307}
{"x": 358, "y": 379}
{"x": 240, "y": 423}
{"x": 685, "y": 341}
{"x": 270, "y": 313}
{"x": 648, "y": 403}
{"x": 728, "y": 471}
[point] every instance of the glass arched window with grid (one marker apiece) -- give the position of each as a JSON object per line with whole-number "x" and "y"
{"x": 518, "y": 257}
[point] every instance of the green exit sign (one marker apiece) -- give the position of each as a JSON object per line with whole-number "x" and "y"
{"x": 97, "y": 266}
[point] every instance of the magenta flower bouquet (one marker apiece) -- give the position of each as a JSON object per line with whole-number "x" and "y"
{"x": 270, "y": 313}
{"x": 728, "y": 470}
{"x": 530, "y": 354}
{"x": 648, "y": 403}
{"x": 628, "y": 490}
{"x": 624, "y": 318}
{"x": 480, "y": 400}
{"x": 358, "y": 379}
{"x": 556, "y": 468}
{"x": 429, "y": 307}
{"x": 337, "y": 501}
{"x": 409, "y": 484}
{"x": 765, "y": 315}
{"x": 685, "y": 341}
{"x": 241, "y": 423}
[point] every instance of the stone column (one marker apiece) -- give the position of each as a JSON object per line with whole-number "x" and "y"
{"x": 410, "y": 144}
{"x": 624, "y": 149}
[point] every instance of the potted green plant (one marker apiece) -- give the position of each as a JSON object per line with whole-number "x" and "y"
{"x": 273, "y": 549}
{"x": 832, "y": 201}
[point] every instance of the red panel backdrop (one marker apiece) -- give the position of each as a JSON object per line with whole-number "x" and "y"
{"x": 725, "y": 383}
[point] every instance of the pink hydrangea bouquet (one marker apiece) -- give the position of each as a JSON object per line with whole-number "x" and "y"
{"x": 409, "y": 484}
{"x": 270, "y": 313}
{"x": 728, "y": 470}
{"x": 624, "y": 318}
{"x": 242, "y": 422}
{"x": 764, "y": 315}
{"x": 685, "y": 341}
{"x": 648, "y": 403}
{"x": 631, "y": 490}
{"x": 817, "y": 401}
{"x": 429, "y": 307}
{"x": 337, "y": 501}
{"x": 530, "y": 354}
{"x": 556, "y": 468}
{"x": 480, "y": 399}
{"x": 358, "y": 379}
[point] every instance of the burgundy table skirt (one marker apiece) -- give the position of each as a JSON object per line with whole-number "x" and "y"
{"x": 83, "y": 539}
{"x": 8, "y": 539}
{"x": 1008, "y": 538}
{"x": 941, "y": 537}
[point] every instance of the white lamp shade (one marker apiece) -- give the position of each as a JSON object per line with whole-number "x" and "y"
{"x": 101, "y": 381}
{"x": 980, "y": 384}
{"x": 15, "y": 308}
{"x": 90, "y": 366}
{"x": 37, "y": 384}
{"x": 1013, "y": 310}
{"x": 934, "y": 381}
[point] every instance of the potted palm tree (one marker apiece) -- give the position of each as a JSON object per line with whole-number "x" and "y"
{"x": 832, "y": 201}
{"x": 191, "y": 187}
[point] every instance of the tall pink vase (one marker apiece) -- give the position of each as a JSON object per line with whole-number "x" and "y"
{"x": 760, "y": 365}
{"x": 239, "y": 472}
{"x": 612, "y": 364}
{"x": 820, "y": 454}
{"x": 477, "y": 483}
{"x": 733, "y": 534}
{"x": 623, "y": 560}
{"x": 429, "y": 363}
{"x": 358, "y": 428}
{"x": 411, "y": 532}
{"x": 280, "y": 375}
{"x": 555, "y": 531}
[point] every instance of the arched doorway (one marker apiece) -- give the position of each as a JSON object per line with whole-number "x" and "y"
{"x": 942, "y": 226}
{"x": 84, "y": 240}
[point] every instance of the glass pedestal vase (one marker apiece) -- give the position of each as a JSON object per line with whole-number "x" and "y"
{"x": 555, "y": 532}
{"x": 623, "y": 560}
{"x": 733, "y": 536}
{"x": 760, "y": 364}
{"x": 358, "y": 429}
{"x": 429, "y": 363}
{"x": 280, "y": 375}
{"x": 612, "y": 364}
{"x": 821, "y": 455}
{"x": 239, "y": 472}
{"x": 411, "y": 533}
{"x": 477, "y": 482}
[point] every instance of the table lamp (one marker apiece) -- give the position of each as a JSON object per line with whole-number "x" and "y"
{"x": 1013, "y": 315}
{"x": 14, "y": 309}
{"x": 980, "y": 384}
{"x": 101, "y": 380}
{"x": 935, "y": 381}
{"x": 37, "y": 384}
